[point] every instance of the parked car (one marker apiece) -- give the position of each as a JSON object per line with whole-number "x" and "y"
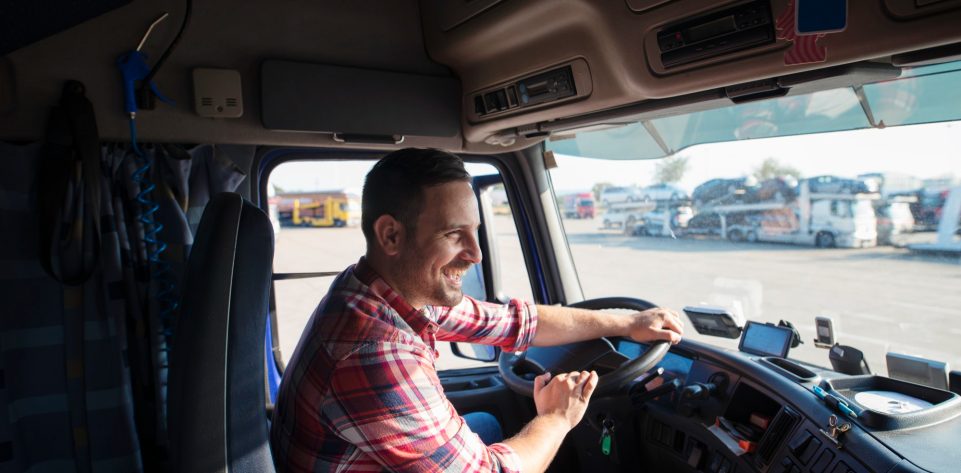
{"x": 838, "y": 185}
{"x": 708, "y": 223}
{"x": 894, "y": 220}
{"x": 931, "y": 208}
{"x": 663, "y": 192}
{"x": 617, "y": 194}
{"x": 662, "y": 221}
{"x": 727, "y": 190}
{"x": 778, "y": 189}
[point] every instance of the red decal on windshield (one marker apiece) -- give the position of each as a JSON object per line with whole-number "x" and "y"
{"x": 805, "y": 48}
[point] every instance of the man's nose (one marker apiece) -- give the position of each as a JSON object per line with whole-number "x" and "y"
{"x": 472, "y": 251}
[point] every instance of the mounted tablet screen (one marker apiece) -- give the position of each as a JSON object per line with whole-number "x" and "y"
{"x": 765, "y": 340}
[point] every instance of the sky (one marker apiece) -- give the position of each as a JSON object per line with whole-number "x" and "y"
{"x": 923, "y": 151}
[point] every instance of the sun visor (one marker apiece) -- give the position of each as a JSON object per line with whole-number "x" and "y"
{"x": 353, "y": 101}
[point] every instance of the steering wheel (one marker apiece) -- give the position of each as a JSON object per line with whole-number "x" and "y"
{"x": 560, "y": 359}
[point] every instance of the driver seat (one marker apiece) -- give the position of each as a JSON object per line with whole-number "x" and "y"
{"x": 217, "y": 418}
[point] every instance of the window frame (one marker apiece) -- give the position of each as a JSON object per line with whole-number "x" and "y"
{"x": 269, "y": 158}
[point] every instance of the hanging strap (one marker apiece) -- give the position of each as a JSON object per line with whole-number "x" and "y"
{"x": 69, "y": 189}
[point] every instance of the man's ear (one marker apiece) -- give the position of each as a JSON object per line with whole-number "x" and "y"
{"x": 389, "y": 234}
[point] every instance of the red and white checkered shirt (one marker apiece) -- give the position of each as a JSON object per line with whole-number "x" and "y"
{"x": 361, "y": 392}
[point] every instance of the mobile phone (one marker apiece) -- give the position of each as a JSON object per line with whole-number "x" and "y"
{"x": 824, "y": 329}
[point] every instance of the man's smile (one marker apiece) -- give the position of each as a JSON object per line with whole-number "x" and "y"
{"x": 454, "y": 275}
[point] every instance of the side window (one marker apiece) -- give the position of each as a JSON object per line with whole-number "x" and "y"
{"x": 315, "y": 206}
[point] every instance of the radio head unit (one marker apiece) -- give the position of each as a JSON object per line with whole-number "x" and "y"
{"x": 717, "y": 33}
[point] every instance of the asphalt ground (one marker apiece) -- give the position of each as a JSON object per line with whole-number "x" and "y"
{"x": 881, "y": 299}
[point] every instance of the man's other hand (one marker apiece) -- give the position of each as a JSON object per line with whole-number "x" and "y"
{"x": 657, "y": 324}
{"x": 565, "y": 396}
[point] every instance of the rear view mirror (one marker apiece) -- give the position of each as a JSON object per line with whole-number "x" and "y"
{"x": 473, "y": 351}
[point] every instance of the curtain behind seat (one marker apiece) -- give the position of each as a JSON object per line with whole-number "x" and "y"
{"x": 83, "y": 368}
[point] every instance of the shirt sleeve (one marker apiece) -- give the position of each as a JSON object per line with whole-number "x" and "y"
{"x": 510, "y": 326}
{"x": 387, "y": 401}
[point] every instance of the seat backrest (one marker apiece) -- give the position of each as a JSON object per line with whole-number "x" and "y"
{"x": 216, "y": 397}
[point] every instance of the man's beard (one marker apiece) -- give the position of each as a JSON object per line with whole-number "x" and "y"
{"x": 450, "y": 297}
{"x": 439, "y": 293}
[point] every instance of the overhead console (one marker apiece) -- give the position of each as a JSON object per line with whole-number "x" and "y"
{"x": 585, "y": 57}
{"x": 556, "y": 85}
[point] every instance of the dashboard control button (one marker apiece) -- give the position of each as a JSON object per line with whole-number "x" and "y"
{"x": 715, "y": 465}
{"x": 799, "y": 443}
{"x": 841, "y": 467}
{"x": 809, "y": 451}
{"x": 823, "y": 461}
{"x": 696, "y": 456}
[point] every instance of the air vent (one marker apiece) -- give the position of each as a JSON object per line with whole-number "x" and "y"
{"x": 206, "y": 101}
{"x": 231, "y": 102}
{"x": 776, "y": 434}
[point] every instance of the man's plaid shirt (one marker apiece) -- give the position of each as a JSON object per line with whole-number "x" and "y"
{"x": 361, "y": 392}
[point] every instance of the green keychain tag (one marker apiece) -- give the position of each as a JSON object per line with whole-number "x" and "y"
{"x": 606, "y": 444}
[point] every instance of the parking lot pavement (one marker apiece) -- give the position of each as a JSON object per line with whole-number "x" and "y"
{"x": 882, "y": 299}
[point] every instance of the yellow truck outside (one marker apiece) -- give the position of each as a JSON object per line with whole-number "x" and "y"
{"x": 319, "y": 210}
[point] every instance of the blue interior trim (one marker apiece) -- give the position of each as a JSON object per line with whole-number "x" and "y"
{"x": 273, "y": 374}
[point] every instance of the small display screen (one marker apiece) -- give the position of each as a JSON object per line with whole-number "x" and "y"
{"x": 713, "y": 321}
{"x": 676, "y": 366}
{"x": 766, "y": 340}
{"x": 707, "y": 321}
{"x": 710, "y": 29}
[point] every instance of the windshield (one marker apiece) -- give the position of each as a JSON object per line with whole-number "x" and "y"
{"x": 922, "y": 95}
{"x": 786, "y": 227}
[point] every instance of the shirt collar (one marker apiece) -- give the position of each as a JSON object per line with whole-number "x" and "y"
{"x": 417, "y": 319}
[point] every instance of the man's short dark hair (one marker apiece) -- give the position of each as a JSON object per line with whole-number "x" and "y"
{"x": 395, "y": 186}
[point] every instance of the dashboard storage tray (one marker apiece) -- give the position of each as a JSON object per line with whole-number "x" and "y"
{"x": 943, "y": 404}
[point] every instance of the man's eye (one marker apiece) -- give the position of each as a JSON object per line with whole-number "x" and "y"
{"x": 453, "y": 234}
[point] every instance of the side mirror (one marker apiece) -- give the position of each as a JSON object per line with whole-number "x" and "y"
{"x": 473, "y": 351}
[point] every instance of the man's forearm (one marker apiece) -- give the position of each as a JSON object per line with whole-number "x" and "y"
{"x": 557, "y": 325}
{"x": 538, "y": 442}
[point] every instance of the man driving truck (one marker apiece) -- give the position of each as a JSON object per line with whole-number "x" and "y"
{"x": 361, "y": 391}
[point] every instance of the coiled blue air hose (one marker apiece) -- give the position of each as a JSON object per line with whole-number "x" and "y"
{"x": 161, "y": 271}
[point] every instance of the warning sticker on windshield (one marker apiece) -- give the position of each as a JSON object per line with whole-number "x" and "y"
{"x": 804, "y": 48}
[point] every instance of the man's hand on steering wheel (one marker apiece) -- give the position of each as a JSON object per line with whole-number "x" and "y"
{"x": 657, "y": 324}
{"x": 656, "y": 327}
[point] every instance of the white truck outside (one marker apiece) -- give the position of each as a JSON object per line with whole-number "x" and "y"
{"x": 823, "y": 220}
{"x": 626, "y": 214}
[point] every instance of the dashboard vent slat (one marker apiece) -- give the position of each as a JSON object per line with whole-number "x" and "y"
{"x": 776, "y": 434}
